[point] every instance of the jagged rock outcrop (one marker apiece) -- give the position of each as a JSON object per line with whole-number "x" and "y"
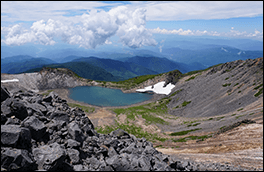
{"x": 173, "y": 77}
{"x": 44, "y": 133}
{"x": 47, "y": 78}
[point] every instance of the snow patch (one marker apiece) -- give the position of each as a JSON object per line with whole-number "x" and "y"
{"x": 12, "y": 80}
{"x": 224, "y": 49}
{"x": 158, "y": 88}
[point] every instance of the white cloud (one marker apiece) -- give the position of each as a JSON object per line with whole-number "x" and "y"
{"x": 88, "y": 30}
{"x": 160, "y": 48}
{"x": 156, "y": 10}
{"x": 187, "y": 10}
{"x": 233, "y": 33}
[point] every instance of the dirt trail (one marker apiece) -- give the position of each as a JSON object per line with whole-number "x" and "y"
{"x": 241, "y": 146}
{"x": 102, "y": 117}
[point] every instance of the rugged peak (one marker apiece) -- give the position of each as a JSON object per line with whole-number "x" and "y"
{"x": 58, "y": 71}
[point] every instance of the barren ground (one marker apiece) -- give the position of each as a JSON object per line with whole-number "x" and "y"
{"x": 241, "y": 146}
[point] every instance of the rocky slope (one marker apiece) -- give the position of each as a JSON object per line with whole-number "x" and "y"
{"x": 44, "y": 133}
{"x": 220, "y": 90}
{"x": 47, "y": 78}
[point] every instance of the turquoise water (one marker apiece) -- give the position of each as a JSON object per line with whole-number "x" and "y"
{"x": 101, "y": 96}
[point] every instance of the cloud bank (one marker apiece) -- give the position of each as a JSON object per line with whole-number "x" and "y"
{"x": 188, "y": 10}
{"x": 156, "y": 10}
{"x": 88, "y": 30}
{"x": 232, "y": 33}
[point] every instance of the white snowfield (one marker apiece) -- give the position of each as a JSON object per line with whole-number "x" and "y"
{"x": 158, "y": 88}
{"x": 12, "y": 80}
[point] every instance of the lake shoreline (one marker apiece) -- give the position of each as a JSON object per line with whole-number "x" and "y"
{"x": 64, "y": 94}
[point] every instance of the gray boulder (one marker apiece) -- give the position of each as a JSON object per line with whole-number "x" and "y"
{"x": 17, "y": 159}
{"x": 74, "y": 155}
{"x": 37, "y": 128}
{"x": 49, "y": 157}
{"x": 60, "y": 115}
{"x": 19, "y": 109}
{"x": 75, "y": 131}
{"x": 15, "y": 136}
{"x": 4, "y": 94}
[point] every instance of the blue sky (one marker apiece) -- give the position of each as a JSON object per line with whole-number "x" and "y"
{"x": 89, "y": 24}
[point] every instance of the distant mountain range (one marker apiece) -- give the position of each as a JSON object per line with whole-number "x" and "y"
{"x": 210, "y": 56}
{"x": 124, "y": 63}
{"x": 98, "y": 68}
{"x": 21, "y": 63}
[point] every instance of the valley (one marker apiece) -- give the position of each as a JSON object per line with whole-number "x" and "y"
{"x": 189, "y": 122}
{"x": 198, "y": 126}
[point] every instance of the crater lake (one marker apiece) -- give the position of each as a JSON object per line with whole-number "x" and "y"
{"x": 101, "y": 96}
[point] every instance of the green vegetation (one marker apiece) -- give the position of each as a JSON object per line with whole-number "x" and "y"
{"x": 233, "y": 114}
{"x": 228, "y": 70}
{"x": 147, "y": 111}
{"x": 133, "y": 82}
{"x": 183, "y": 132}
{"x": 84, "y": 108}
{"x": 176, "y": 92}
{"x": 154, "y": 107}
{"x": 239, "y": 91}
{"x": 191, "y": 138}
{"x": 185, "y": 103}
{"x": 236, "y": 84}
{"x": 251, "y": 113}
{"x": 218, "y": 118}
{"x": 222, "y": 127}
{"x": 159, "y": 146}
{"x": 227, "y": 78}
{"x": 239, "y": 86}
{"x": 197, "y": 71}
{"x": 259, "y": 92}
{"x": 189, "y": 122}
{"x": 258, "y": 86}
{"x": 210, "y": 119}
{"x": 239, "y": 116}
{"x": 152, "y": 119}
{"x": 191, "y": 125}
{"x": 86, "y": 70}
{"x": 226, "y": 85}
{"x": 190, "y": 78}
{"x": 240, "y": 109}
{"x": 131, "y": 129}
{"x": 47, "y": 93}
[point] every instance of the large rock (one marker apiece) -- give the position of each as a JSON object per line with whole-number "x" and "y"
{"x": 17, "y": 159}
{"x": 15, "y": 136}
{"x": 119, "y": 133}
{"x": 75, "y": 131}
{"x": 4, "y": 94}
{"x": 60, "y": 115}
{"x": 74, "y": 155}
{"x": 19, "y": 109}
{"x": 36, "y": 107}
{"x": 49, "y": 157}
{"x": 37, "y": 128}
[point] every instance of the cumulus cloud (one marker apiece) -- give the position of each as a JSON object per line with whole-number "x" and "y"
{"x": 88, "y": 30}
{"x": 232, "y": 33}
